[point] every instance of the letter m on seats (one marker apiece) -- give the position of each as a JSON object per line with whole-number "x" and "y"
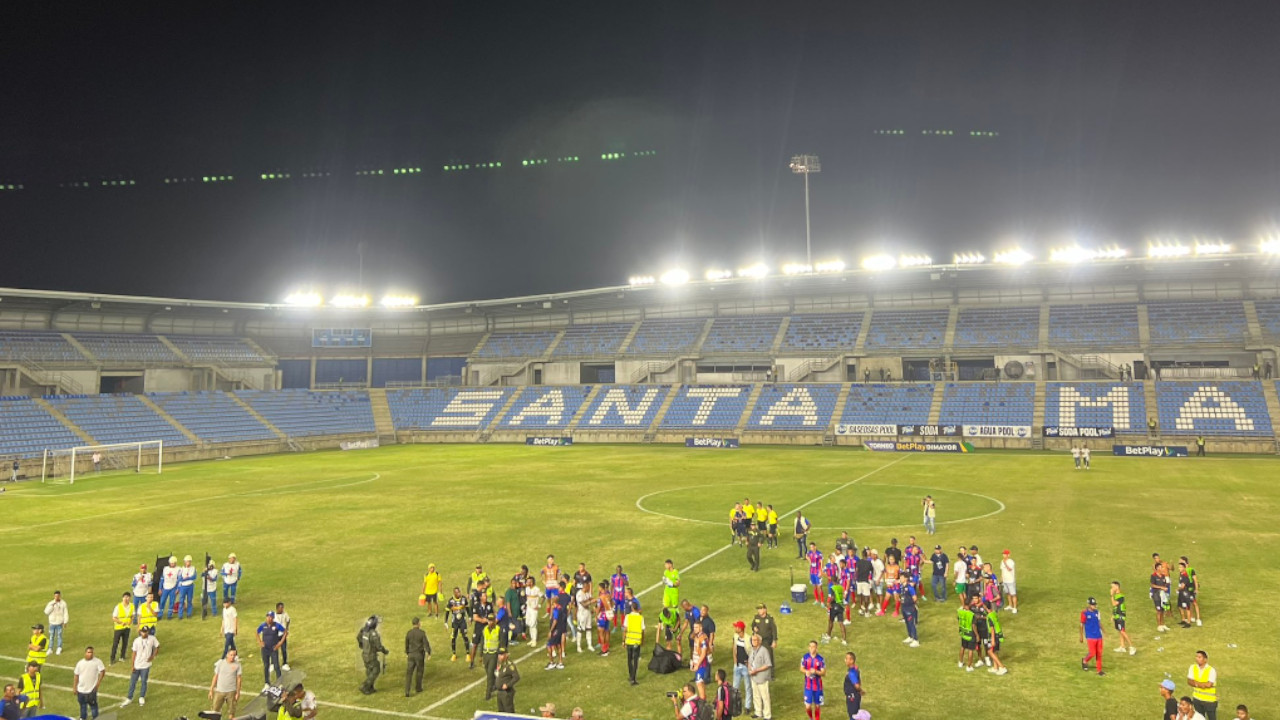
{"x": 1070, "y": 398}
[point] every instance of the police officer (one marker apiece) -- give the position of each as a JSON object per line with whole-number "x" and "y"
{"x": 506, "y": 681}
{"x": 753, "y": 549}
{"x": 494, "y": 641}
{"x": 416, "y": 649}
{"x": 370, "y": 643}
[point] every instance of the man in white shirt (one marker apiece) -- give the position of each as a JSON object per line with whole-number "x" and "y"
{"x": 532, "y": 600}
{"x": 877, "y": 578}
{"x": 169, "y": 587}
{"x": 230, "y": 626}
{"x": 145, "y": 649}
{"x": 210, "y": 587}
{"x": 186, "y": 587}
{"x": 141, "y": 586}
{"x": 56, "y": 611}
{"x": 283, "y": 619}
{"x": 88, "y": 676}
{"x": 1084, "y": 456}
{"x": 1075, "y": 455}
{"x": 231, "y": 573}
{"x": 1008, "y": 582}
{"x": 960, "y": 570}
{"x": 224, "y": 689}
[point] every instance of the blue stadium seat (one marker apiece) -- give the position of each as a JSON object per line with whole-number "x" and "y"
{"x": 624, "y": 407}
{"x": 517, "y": 344}
{"x": 1096, "y": 405}
{"x": 540, "y": 406}
{"x": 1182, "y": 323}
{"x": 117, "y": 419}
{"x": 127, "y": 347}
{"x": 1007, "y": 403}
{"x": 213, "y": 416}
{"x": 741, "y": 335}
{"x": 27, "y": 429}
{"x": 887, "y": 404}
{"x": 907, "y": 329}
{"x": 1213, "y": 407}
{"x": 1094, "y": 326}
{"x": 997, "y": 327}
{"x": 48, "y": 347}
{"x": 214, "y": 350}
{"x": 666, "y": 337}
{"x": 708, "y": 407}
{"x": 302, "y": 413}
{"x": 826, "y": 333}
{"x": 600, "y": 340}
{"x": 446, "y": 408}
{"x": 1269, "y": 316}
{"x": 794, "y": 407}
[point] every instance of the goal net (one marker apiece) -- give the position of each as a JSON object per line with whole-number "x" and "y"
{"x": 66, "y": 465}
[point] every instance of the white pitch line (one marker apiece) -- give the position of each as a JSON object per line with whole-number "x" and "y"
{"x": 44, "y": 686}
{"x": 476, "y": 683}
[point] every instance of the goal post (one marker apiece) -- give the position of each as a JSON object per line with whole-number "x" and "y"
{"x": 70, "y": 463}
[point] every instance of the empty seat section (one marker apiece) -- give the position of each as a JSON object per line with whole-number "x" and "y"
{"x": 18, "y": 346}
{"x": 907, "y": 329}
{"x": 545, "y": 407}
{"x": 126, "y": 347}
{"x": 1096, "y": 405}
{"x": 1269, "y": 316}
{"x": 666, "y": 337}
{"x": 714, "y": 407}
{"x": 741, "y": 335}
{"x": 1176, "y": 323}
{"x": 1213, "y": 407}
{"x": 446, "y": 408}
{"x": 1093, "y": 326}
{"x": 235, "y": 351}
{"x": 113, "y": 419}
{"x": 213, "y": 416}
{"x": 835, "y": 332}
{"x": 887, "y": 404}
{"x": 618, "y": 407}
{"x": 1009, "y": 403}
{"x": 27, "y": 430}
{"x": 794, "y": 407}
{"x": 531, "y": 343}
{"x": 1012, "y": 327}
{"x": 592, "y": 340}
{"x": 302, "y": 413}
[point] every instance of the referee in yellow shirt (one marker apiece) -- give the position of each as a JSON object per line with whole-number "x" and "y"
{"x": 431, "y": 591}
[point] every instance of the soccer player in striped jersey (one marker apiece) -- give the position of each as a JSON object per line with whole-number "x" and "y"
{"x": 815, "y": 572}
{"x": 618, "y": 594}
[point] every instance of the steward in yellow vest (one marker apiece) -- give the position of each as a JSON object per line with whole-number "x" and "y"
{"x": 29, "y": 685}
{"x": 38, "y": 648}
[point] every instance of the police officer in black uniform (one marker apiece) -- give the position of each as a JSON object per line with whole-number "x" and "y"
{"x": 506, "y": 680}
{"x": 370, "y": 642}
{"x": 416, "y": 649}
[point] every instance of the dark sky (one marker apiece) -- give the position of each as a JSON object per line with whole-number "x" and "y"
{"x": 1116, "y": 121}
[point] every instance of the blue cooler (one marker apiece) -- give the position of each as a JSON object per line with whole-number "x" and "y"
{"x": 799, "y": 593}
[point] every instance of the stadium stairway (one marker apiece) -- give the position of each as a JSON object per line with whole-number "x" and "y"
{"x": 949, "y": 337}
{"x": 1144, "y": 328}
{"x": 174, "y": 349}
{"x": 382, "y": 421}
{"x": 842, "y": 400}
{"x": 863, "y": 331}
{"x": 487, "y": 432}
{"x": 1273, "y": 407}
{"x": 551, "y": 346}
{"x": 652, "y": 432}
{"x": 935, "y": 406}
{"x": 752, "y": 399}
{"x": 696, "y": 350}
{"x": 1149, "y": 392}
{"x": 582, "y": 409}
{"x": 258, "y": 416}
{"x": 631, "y": 335}
{"x": 169, "y": 418}
{"x": 66, "y": 421}
{"x": 1044, "y": 325}
{"x": 781, "y": 336}
{"x": 259, "y": 349}
{"x": 79, "y": 348}
{"x": 1253, "y": 328}
{"x": 1037, "y": 415}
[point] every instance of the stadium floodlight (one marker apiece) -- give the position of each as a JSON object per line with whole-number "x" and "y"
{"x": 756, "y": 271}
{"x": 829, "y": 266}
{"x": 637, "y": 280}
{"x": 1016, "y": 256}
{"x": 796, "y": 269}
{"x": 907, "y": 261}
{"x": 1170, "y": 249}
{"x": 1072, "y": 254}
{"x": 350, "y": 301}
{"x": 719, "y": 274}
{"x": 968, "y": 258}
{"x": 304, "y": 298}
{"x": 1212, "y": 247}
{"x": 1270, "y": 245}
{"x": 399, "y": 301}
{"x": 879, "y": 262}
{"x": 675, "y": 276}
{"x": 805, "y": 165}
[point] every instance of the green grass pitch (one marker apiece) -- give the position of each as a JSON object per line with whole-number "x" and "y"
{"x": 339, "y": 536}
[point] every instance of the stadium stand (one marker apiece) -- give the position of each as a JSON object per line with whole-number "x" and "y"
{"x": 1269, "y": 316}
{"x": 998, "y": 327}
{"x": 446, "y": 408}
{"x": 516, "y": 344}
{"x": 707, "y": 407}
{"x": 888, "y": 404}
{"x": 539, "y": 406}
{"x": 601, "y": 340}
{"x": 1094, "y": 326}
{"x": 40, "y": 347}
{"x": 1096, "y": 405}
{"x": 1008, "y": 403}
{"x": 624, "y": 407}
{"x": 213, "y": 416}
{"x": 666, "y": 337}
{"x": 741, "y": 335}
{"x": 1184, "y": 323}
{"x": 1213, "y": 407}
{"x": 26, "y": 429}
{"x": 302, "y": 413}
{"x": 794, "y": 407}
{"x": 217, "y": 350}
{"x": 126, "y": 347}
{"x": 907, "y": 329}
{"x": 822, "y": 333}
{"x": 116, "y": 418}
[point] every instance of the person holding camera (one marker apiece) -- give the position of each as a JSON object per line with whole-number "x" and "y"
{"x": 686, "y": 702}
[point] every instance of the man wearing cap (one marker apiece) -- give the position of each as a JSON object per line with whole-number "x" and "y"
{"x": 38, "y": 648}
{"x": 1008, "y": 581}
{"x": 764, "y": 625}
{"x": 270, "y": 635}
{"x": 1091, "y": 633}
{"x": 1167, "y": 688}
{"x": 56, "y": 611}
{"x": 29, "y": 684}
{"x": 1203, "y": 679}
{"x": 122, "y": 619}
{"x": 941, "y": 563}
{"x": 231, "y": 574}
{"x": 741, "y": 647}
{"x": 416, "y": 649}
{"x": 431, "y": 590}
{"x": 141, "y": 586}
{"x": 186, "y": 588}
{"x": 209, "y": 581}
{"x": 370, "y": 642}
{"x": 505, "y": 683}
{"x": 145, "y": 650}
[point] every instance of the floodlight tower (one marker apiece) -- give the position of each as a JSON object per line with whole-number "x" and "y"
{"x": 804, "y": 165}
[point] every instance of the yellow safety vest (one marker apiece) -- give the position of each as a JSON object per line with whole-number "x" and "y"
{"x": 1202, "y": 675}
{"x": 39, "y": 656}
{"x": 30, "y": 687}
{"x": 633, "y": 629}
{"x": 124, "y": 613}
{"x": 148, "y": 614}
{"x": 491, "y": 638}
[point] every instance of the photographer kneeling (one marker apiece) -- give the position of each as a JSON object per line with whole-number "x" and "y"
{"x": 686, "y": 703}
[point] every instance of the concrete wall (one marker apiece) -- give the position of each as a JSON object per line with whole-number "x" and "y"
{"x": 168, "y": 380}
{"x": 561, "y": 373}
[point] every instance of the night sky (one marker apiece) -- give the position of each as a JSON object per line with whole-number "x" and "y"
{"x": 1117, "y": 121}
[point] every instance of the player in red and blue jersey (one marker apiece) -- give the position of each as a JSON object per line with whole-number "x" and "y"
{"x": 815, "y": 572}
{"x": 618, "y": 594}
{"x": 849, "y": 583}
{"x": 912, "y": 559}
{"x": 814, "y": 669}
{"x": 831, "y": 570}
